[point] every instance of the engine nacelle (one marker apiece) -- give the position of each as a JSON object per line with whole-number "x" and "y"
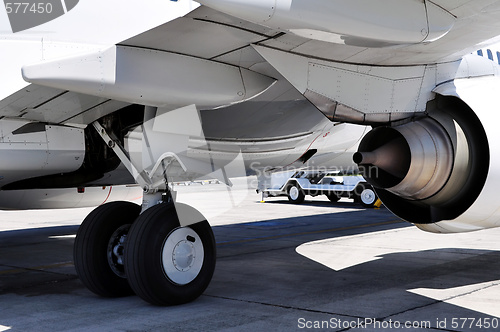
{"x": 442, "y": 171}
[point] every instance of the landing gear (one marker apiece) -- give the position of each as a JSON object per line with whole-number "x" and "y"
{"x": 154, "y": 256}
{"x": 164, "y": 253}
{"x": 98, "y": 248}
{"x": 166, "y": 263}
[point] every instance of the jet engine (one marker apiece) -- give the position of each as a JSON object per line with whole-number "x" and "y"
{"x": 439, "y": 170}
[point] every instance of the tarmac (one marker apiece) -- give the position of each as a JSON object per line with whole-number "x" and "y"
{"x": 280, "y": 267}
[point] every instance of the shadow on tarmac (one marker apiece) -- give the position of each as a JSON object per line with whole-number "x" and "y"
{"x": 258, "y": 264}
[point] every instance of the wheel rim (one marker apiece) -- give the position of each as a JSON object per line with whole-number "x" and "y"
{"x": 115, "y": 250}
{"x": 368, "y": 196}
{"x": 182, "y": 255}
{"x": 294, "y": 193}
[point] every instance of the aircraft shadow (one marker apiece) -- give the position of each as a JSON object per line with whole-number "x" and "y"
{"x": 263, "y": 262}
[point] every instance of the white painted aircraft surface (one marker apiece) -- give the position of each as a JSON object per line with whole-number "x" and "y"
{"x": 154, "y": 92}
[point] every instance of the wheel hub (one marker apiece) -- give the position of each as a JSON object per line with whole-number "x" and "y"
{"x": 115, "y": 250}
{"x": 182, "y": 255}
{"x": 294, "y": 193}
{"x": 367, "y": 196}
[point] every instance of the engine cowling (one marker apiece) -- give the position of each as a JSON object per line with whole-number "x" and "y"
{"x": 441, "y": 171}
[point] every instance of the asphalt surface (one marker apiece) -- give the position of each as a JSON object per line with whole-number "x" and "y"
{"x": 280, "y": 267}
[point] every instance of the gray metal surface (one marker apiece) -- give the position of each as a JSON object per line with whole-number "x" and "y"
{"x": 280, "y": 267}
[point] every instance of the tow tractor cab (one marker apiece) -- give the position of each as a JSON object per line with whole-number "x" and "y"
{"x": 334, "y": 184}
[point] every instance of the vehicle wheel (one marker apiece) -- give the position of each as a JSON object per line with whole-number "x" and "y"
{"x": 295, "y": 194}
{"x": 98, "y": 248}
{"x": 167, "y": 264}
{"x": 367, "y": 197}
{"x": 333, "y": 197}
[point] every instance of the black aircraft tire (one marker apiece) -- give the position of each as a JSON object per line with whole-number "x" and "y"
{"x": 93, "y": 248}
{"x": 167, "y": 264}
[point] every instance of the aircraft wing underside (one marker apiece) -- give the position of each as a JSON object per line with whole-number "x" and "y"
{"x": 471, "y": 23}
{"x": 223, "y": 46}
{"x": 51, "y": 105}
{"x": 210, "y": 35}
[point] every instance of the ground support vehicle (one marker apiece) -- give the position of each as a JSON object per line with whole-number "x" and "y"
{"x": 298, "y": 184}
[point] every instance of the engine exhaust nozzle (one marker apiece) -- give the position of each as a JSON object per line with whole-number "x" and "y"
{"x": 413, "y": 160}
